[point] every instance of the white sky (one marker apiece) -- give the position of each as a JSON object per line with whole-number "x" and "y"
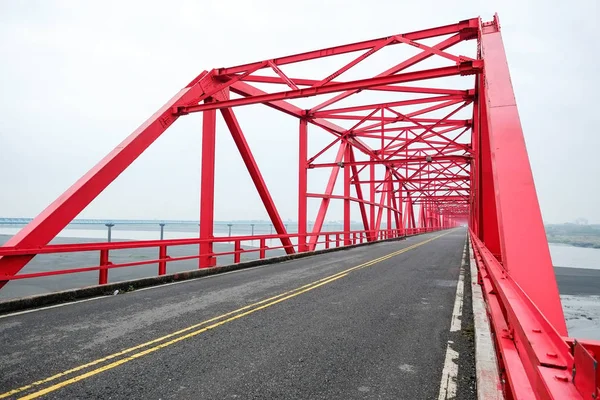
{"x": 77, "y": 77}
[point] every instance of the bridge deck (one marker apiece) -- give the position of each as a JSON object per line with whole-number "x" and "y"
{"x": 369, "y": 322}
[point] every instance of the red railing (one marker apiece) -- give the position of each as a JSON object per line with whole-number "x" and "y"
{"x": 325, "y": 239}
{"x": 537, "y": 362}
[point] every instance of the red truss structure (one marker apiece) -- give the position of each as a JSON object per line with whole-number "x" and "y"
{"x": 430, "y": 142}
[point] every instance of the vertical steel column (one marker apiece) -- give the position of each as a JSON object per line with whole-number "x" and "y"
{"x": 207, "y": 188}
{"x": 390, "y": 190}
{"x": 372, "y": 197}
{"x": 399, "y": 213}
{"x": 302, "y": 184}
{"x": 488, "y": 220}
{"x": 475, "y": 195}
{"x": 347, "y": 160}
{"x": 517, "y": 208}
{"x": 57, "y": 215}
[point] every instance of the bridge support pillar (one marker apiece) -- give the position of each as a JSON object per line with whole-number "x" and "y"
{"x": 372, "y": 198}
{"x": 207, "y": 188}
{"x": 302, "y": 184}
{"x": 347, "y": 167}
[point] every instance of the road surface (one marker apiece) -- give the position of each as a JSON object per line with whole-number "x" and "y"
{"x": 372, "y": 322}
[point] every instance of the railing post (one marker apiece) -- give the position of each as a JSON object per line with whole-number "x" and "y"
{"x": 326, "y": 240}
{"x": 103, "y": 272}
{"x": 162, "y": 264}
{"x": 262, "y": 251}
{"x": 337, "y": 240}
{"x": 238, "y": 249}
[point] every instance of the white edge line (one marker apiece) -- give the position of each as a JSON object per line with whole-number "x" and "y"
{"x": 49, "y": 307}
{"x": 458, "y": 302}
{"x": 449, "y": 374}
{"x": 448, "y": 385}
{"x": 486, "y": 364}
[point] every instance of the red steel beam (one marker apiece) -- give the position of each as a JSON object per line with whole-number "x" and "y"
{"x": 347, "y": 158}
{"x": 399, "y": 161}
{"x": 447, "y": 43}
{"x": 465, "y": 68}
{"x": 518, "y": 211}
{"x": 412, "y": 115}
{"x": 400, "y": 103}
{"x": 451, "y": 179}
{"x": 467, "y": 27}
{"x": 207, "y": 188}
{"x": 57, "y": 215}
{"x": 302, "y": 184}
{"x": 390, "y": 88}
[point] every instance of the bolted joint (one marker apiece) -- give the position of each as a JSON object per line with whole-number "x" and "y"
{"x": 469, "y": 29}
{"x": 470, "y": 67}
{"x": 179, "y": 110}
{"x": 340, "y": 164}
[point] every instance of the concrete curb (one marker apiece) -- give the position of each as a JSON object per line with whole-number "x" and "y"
{"x": 486, "y": 365}
{"x": 65, "y": 296}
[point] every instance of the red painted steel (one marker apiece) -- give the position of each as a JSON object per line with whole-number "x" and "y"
{"x": 207, "y": 187}
{"x": 428, "y": 156}
{"x": 530, "y": 345}
{"x": 302, "y": 183}
{"x": 517, "y": 209}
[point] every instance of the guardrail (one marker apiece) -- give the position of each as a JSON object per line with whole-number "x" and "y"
{"x": 325, "y": 239}
{"x": 536, "y": 361}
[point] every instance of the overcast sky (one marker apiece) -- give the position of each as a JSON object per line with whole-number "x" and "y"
{"x": 77, "y": 77}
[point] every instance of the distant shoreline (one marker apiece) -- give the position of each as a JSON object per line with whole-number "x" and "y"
{"x": 577, "y": 235}
{"x": 575, "y": 242}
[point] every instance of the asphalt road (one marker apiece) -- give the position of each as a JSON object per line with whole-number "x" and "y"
{"x": 371, "y": 322}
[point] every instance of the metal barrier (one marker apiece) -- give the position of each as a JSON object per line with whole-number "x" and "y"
{"x": 326, "y": 239}
{"x": 535, "y": 360}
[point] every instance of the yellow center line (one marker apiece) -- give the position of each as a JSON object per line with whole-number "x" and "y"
{"x": 240, "y": 312}
{"x": 170, "y": 342}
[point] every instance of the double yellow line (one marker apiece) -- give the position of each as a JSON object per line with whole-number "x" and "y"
{"x": 154, "y": 345}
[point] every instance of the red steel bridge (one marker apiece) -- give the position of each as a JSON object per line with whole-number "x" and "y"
{"x": 440, "y": 148}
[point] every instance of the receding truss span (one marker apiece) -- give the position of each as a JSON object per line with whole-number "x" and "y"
{"x": 432, "y": 141}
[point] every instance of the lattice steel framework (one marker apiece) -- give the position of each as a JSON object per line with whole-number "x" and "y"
{"x": 444, "y": 156}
